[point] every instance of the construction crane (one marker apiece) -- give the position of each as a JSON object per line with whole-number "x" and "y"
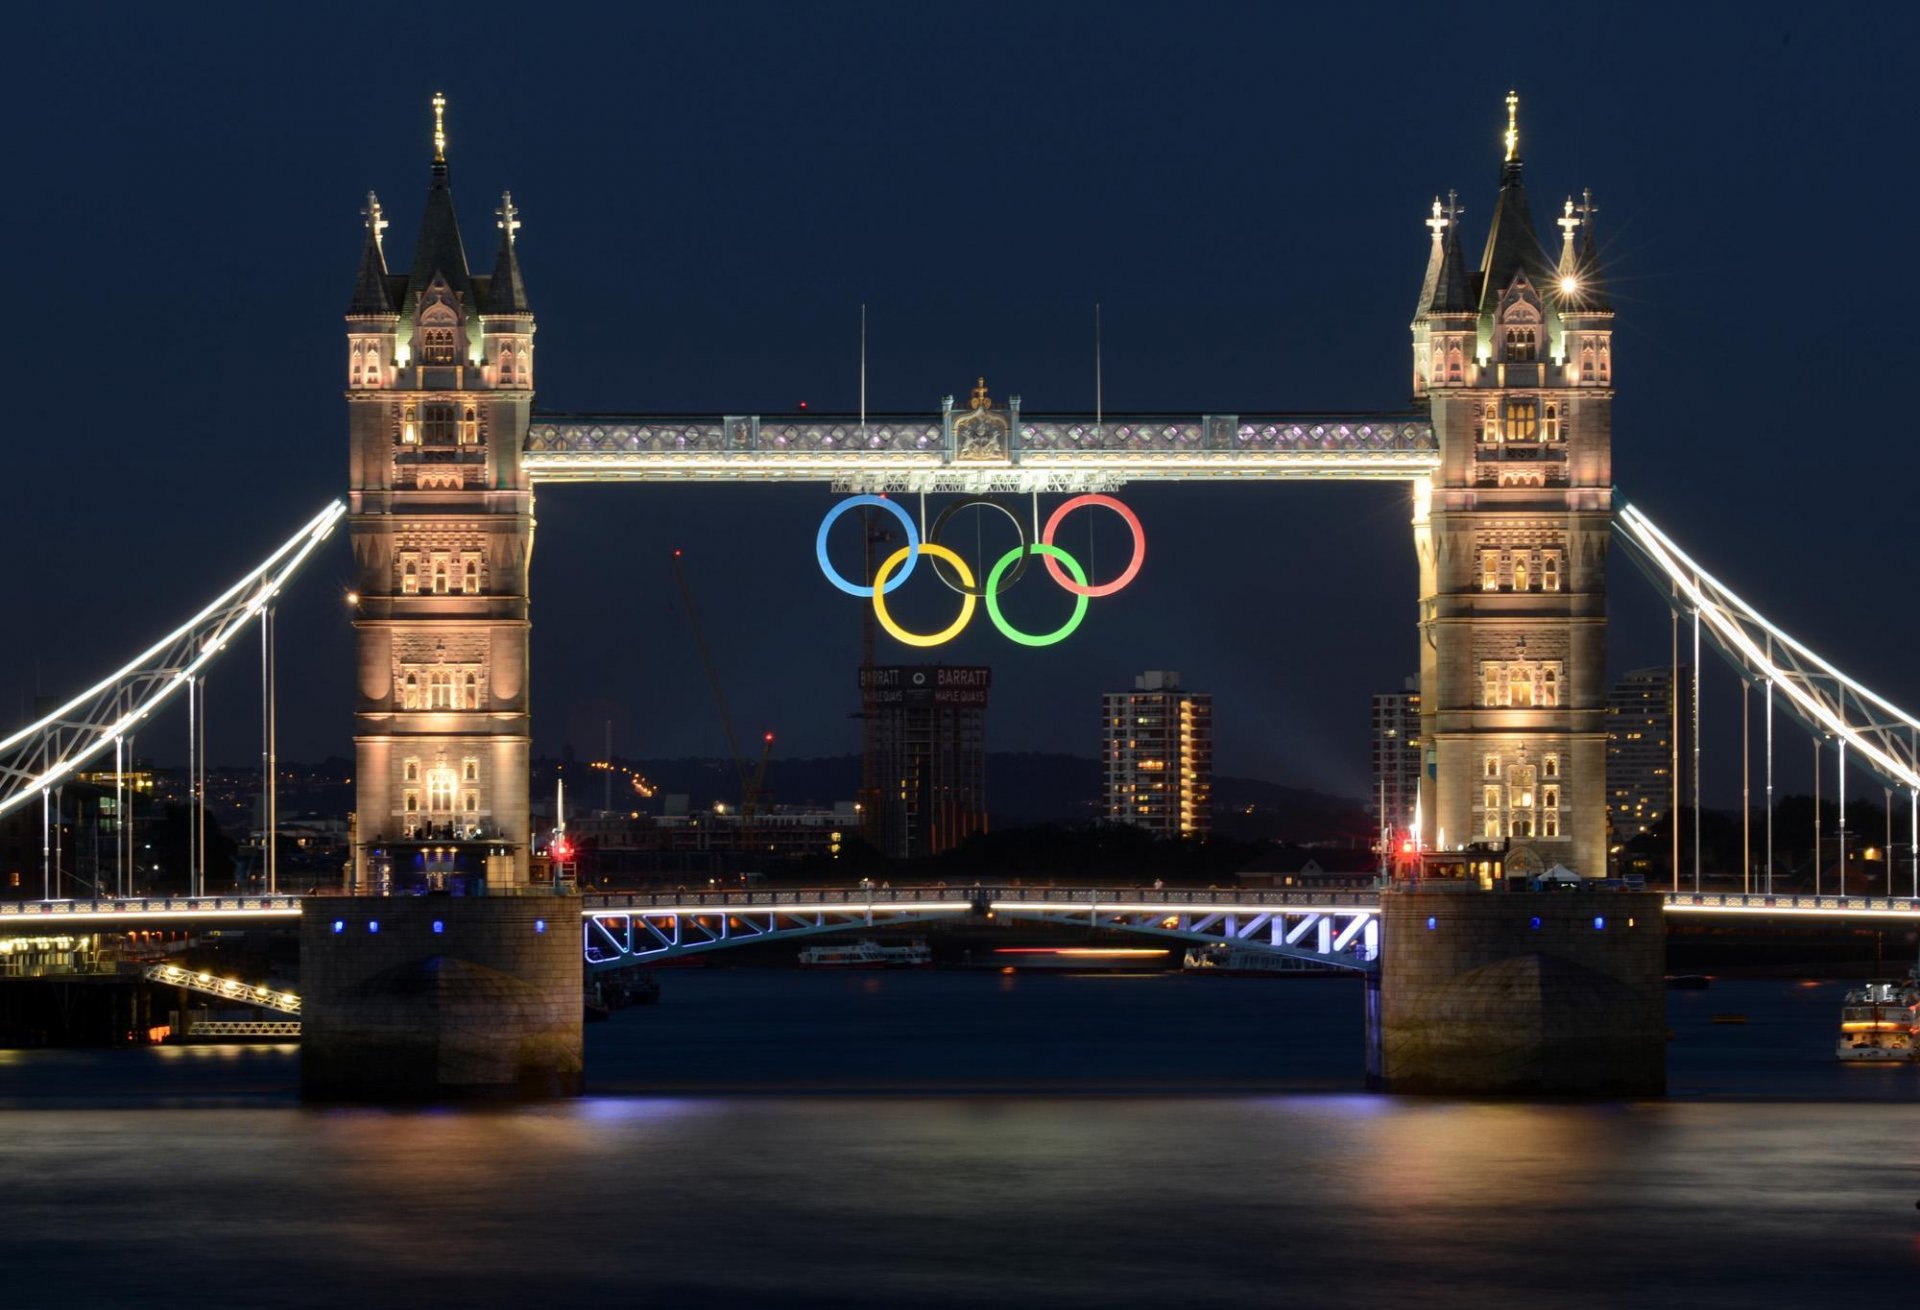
{"x": 751, "y": 781}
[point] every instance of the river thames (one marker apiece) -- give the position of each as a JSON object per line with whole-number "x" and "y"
{"x": 969, "y": 1138}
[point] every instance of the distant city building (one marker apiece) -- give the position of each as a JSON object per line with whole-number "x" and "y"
{"x": 1158, "y": 753}
{"x": 1641, "y": 712}
{"x": 928, "y": 733}
{"x": 1396, "y": 760}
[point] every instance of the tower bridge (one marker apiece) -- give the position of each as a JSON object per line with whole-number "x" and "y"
{"x": 1506, "y": 456}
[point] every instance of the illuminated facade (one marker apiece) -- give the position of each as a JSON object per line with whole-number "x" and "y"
{"x": 1158, "y": 756}
{"x": 439, "y": 384}
{"x": 1642, "y": 710}
{"x": 1515, "y": 362}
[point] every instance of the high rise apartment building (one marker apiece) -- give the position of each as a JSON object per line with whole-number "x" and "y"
{"x": 1647, "y": 712}
{"x": 1396, "y": 761}
{"x": 1158, "y": 754}
{"x": 928, "y": 735}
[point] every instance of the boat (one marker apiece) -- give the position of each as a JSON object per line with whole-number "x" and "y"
{"x": 866, "y": 954}
{"x": 1877, "y": 1021}
{"x": 1226, "y": 960}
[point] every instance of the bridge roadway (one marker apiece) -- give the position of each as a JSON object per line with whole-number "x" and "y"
{"x": 1338, "y": 928}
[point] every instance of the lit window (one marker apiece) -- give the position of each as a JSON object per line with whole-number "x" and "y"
{"x": 1491, "y": 767}
{"x": 470, "y": 693}
{"x": 440, "y": 791}
{"x": 1522, "y": 345}
{"x": 1489, "y": 570}
{"x": 410, "y": 425}
{"x": 1520, "y": 579}
{"x": 1522, "y": 419}
{"x": 1550, "y": 766}
{"x": 1491, "y": 677}
{"x": 1550, "y": 430}
{"x": 440, "y": 690}
{"x": 1454, "y": 363}
{"x": 437, "y": 345}
{"x": 469, "y": 426}
{"x": 1520, "y": 685}
{"x": 1550, "y": 685}
{"x": 410, "y": 693}
{"x": 409, "y": 578}
{"x": 1550, "y": 570}
{"x": 410, "y": 771}
{"x": 439, "y": 575}
{"x": 412, "y": 802}
{"x": 470, "y": 578}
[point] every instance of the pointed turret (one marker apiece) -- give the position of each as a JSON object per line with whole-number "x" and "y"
{"x": 1591, "y": 293}
{"x": 1453, "y": 288}
{"x": 506, "y": 293}
{"x": 371, "y": 292}
{"x": 1513, "y": 245}
{"x": 439, "y": 250}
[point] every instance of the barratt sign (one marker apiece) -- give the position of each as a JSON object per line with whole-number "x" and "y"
{"x": 926, "y": 684}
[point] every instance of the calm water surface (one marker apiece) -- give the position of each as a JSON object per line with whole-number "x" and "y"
{"x": 952, "y": 1139}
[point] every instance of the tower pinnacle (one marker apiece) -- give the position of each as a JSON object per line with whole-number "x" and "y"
{"x": 377, "y": 222}
{"x": 1513, "y": 126}
{"x": 509, "y": 221}
{"x": 440, "y": 128}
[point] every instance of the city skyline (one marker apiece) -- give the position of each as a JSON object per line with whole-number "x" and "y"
{"x": 1276, "y": 302}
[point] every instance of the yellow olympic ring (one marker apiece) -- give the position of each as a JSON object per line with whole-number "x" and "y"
{"x": 894, "y": 630}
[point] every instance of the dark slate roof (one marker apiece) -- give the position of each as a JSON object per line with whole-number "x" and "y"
{"x": 439, "y": 249}
{"x": 1592, "y": 295}
{"x": 372, "y": 292}
{"x": 506, "y": 293}
{"x": 1434, "y": 260}
{"x": 1453, "y": 290}
{"x": 1513, "y": 245}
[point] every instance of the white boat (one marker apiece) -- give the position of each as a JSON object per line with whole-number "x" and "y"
{"x": 1877, "y": 1021}
{"x": 866, "y": 954}
{"x": 1228, "y": 960}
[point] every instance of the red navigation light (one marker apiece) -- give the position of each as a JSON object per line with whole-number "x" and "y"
{"x": 803, "y": 404}
{"x": 676, "y": 552}
{"x": 562, "y": 848}
{"x": 769, "y": 736}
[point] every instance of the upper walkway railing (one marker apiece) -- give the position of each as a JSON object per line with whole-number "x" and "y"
{"x": 1040, "y": 453}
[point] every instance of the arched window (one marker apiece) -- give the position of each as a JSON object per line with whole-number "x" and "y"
{"x": 1550, "y": 686}
{"x": 1520, "y": 578}
{"x": 410, "y": 772}
{"x": 410, "y": 693}
{"x": 470, "y": 802}
{"x": 440, "y": 790}
{"x": 1491, "y": 688}
{"x": 439, "y": 577}
{"x": 409, "y": 579}
{"x": 1520, "y": 687}
{"x": 470, "y": 771}
{"x": 1490, "y": 419}
{"x": 437, "y": 345}
{"x": 470, "y": 692}
{"x": 1522, "y": 419}
{"x": 1606, "y": 363}
{"x": 440, "y": 690}
{"x": 410, "y": 425}
{"x": 469, "y": 426}
{"x": 470, "y": 578}
{"x": 1489, "y": 570}
{"x": 1550, "y": 766}
{"x": 1522, "y": 345}
{"x": 1550, "y": 571}
{"x": 1454, "y": 364}
{"x": 1550, "y": 425}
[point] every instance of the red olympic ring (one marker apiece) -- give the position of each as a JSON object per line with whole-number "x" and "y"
{"x": 1133, "y": 565}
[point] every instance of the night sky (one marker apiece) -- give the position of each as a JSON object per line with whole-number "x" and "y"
{"x": 709, "y": 193}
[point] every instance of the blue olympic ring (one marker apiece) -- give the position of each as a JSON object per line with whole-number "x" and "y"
{"x": 833, "y": 575}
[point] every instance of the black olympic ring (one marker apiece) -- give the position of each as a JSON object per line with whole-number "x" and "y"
{"x": 940, "y": 522}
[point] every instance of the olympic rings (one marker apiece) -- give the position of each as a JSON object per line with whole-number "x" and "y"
{"x": 1064, "y": 568}
{"x": 939, "y": 528}
{"x": 826, "y": 525}
{"x": 880, "y": 589}
{"x": 1133, "y": 565}
{"x": 1012, "y": 633}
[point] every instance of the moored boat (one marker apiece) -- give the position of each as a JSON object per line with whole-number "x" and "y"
{"x": 1877, "y": 1021}
{"x": 865, "y": 954}
{"x": 1223, "y": 959}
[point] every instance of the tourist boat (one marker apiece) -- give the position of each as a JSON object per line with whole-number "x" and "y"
{"x": 1877, "y": 1021}
{"x": 1223, "y": 959}
{"x": 867, "y": 955}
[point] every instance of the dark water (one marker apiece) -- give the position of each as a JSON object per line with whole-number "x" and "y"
{"x": 956, "y": 1139}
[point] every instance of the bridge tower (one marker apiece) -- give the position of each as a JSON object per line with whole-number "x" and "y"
{"x": 439, "y": 385}
{"x": 1515, "y": 362}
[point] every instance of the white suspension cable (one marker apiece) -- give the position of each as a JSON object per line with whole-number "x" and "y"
{"x": 44, "y": 754}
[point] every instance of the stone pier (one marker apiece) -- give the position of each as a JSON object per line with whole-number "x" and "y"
{"x": 1556, "y": 993}
{"x": 413, "y": 998}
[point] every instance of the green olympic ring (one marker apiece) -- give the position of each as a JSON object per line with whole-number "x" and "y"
{"x": 992, "y": 590}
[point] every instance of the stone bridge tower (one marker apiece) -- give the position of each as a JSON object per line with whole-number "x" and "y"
{"x": 1515, "y": 361}
{"x": 439, "y": 385}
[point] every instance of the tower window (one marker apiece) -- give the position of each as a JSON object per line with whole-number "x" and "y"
{"x": 1550, "y": 570}
{"x": 1522, "y": 419}
{"x": 470, "y": 577}
{"x": 1489, "y": 570}
{"x": 409, "y": 576}
{"x": 410, "y": 425}
{"x": 440, "y": 690}
{"x": 1550, "y": 427}
{"x": 440, "y": 790}
{"x": 470, "y": 692}
{"x": 1454, "y": 363}
{"x": 437, "y": 345}
{"x": 439, "y": 425}
{"x": 1490, "y": 767}
{"x": 410, "y": 771}
{"x": 470, "y": 771}
{"x": 1520, "y": 578}
{"x": 469, "y": 426}
{"x": 1550, "y": 766}
{"x": 1522, "y": 344}
{"x": 410, "y": 692}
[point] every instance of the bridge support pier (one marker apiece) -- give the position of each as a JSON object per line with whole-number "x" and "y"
{"x": 1520, "y": 994}
{"x": 414, "y": 998}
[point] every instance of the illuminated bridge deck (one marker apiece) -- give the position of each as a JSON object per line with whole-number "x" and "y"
{"x": 163, "y": 911}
